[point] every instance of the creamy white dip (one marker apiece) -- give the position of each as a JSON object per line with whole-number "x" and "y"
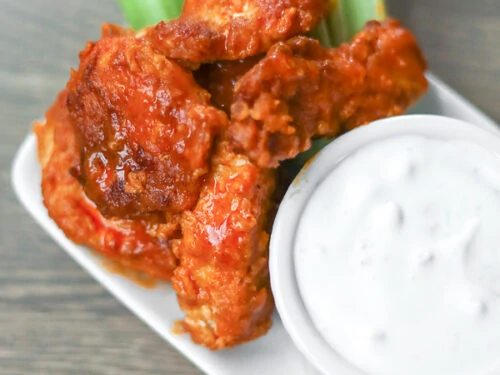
{"x": 397, "y": 257}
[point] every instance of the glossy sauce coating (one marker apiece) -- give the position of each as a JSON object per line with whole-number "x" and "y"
{"x": 219, "y": 79}
{"x": 144, "y": 126}
{"x": 222, "y": 281}
{"x": 143, "y": 245}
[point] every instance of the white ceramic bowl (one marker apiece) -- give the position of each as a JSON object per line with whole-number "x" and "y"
{"x": 282, "y": 266}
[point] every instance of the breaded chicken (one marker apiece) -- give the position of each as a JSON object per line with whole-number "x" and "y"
{"x": 222, "y": 281}
{"x": 145, "y": 128}
{"x": 143, "y": 245}
{"x": 221, "y": 275}
{"x": 210, "y": 30}
{"x": 300, "y": 90}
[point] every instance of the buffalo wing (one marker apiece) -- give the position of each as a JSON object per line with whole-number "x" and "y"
{"x": 300, "y": 90}
{"x": 145, "y": 128}
{"x": 144, "y": 245}
{"x": 210, "y": 30}
{"x": 222, "y": 281}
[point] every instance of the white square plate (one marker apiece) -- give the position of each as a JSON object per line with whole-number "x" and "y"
{"x": 272, "y": 354}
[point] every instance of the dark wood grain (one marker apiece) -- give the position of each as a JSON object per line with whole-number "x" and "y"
{"x": 54, "y": 319}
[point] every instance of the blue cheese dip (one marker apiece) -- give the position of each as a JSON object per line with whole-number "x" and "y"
{"x": 397, "y": 258}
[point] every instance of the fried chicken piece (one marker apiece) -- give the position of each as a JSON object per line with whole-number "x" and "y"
{"x": 220, "y": 77}
{"x": 210, "y": 30}
{"x": 145, "y": 128}
{"x": 143, "y": 245}
{"x": 222, "y": 281}
{"x": 300, "y": 90}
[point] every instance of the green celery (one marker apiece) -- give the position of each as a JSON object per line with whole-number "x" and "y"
{"x": 346, "y": 18}
{"x": 142, "y": 13}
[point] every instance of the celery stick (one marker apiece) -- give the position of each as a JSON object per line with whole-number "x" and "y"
{"x": 141, "y": 13}
{"x": 346, "y": 18}
{"x": 356, "y": 13}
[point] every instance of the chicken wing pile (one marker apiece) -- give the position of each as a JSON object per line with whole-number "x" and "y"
{"x": 162, "y": 151}
{"x": 301, "y": 90}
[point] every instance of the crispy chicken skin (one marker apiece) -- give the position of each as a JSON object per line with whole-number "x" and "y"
{"x": 210, "y": 30}
{"x": 300, "y": 90}
{"x": 144, "y": 126}
{"x": 143, "y": 245}
{"x": 222, "y": 281}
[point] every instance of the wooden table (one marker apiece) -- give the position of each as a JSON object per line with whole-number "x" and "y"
{"x": 54, "y": 319}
